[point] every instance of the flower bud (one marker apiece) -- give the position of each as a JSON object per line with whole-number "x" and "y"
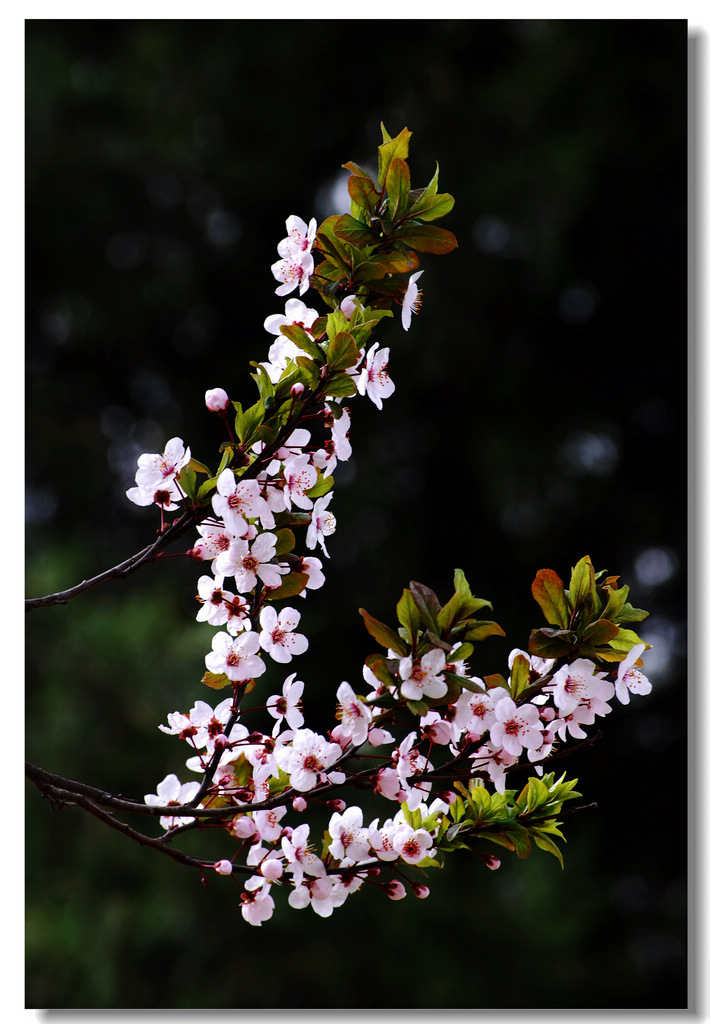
{"x": 223, "y": 867}
{"x": 271, "y": 869}
{"x": 299, "y": 803}
{"x": 244, "y": 827}
{"x": 395, "y": 890}
{"x": 216, "y": 400}
{"x": 420, "y": 891}
{"x": 336, "y": 805}
{"x": 297, "y": 390}
{"x": 490, "y": 861}
{"x": 348, "y": 305}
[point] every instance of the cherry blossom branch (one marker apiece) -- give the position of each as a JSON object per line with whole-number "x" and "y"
{"x": 190, "y": 518}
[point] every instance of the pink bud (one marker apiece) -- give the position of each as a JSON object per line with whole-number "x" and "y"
{"x": 297, "y": 390}
{"x": 420, "y": 891}
{"x": 271, "y": 869}
{"x": 336, "y": 805}
{"x": 216, "y": 400}
{"x": 299, "y": 803}
{"x": 395, "y": 890}
{"x": 223, "y": 867}
{"x": 199, "y": 552}
{"x": 244, "y": 827}
{"x": 376, "y": 736}
{"x": 491, "y": 862}
{"x": 348, "y": 305}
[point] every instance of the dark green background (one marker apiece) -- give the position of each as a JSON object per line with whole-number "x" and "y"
{"x": 539, "y": 415}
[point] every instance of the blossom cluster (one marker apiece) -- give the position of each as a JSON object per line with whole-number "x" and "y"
{"x": 269, "y": 483}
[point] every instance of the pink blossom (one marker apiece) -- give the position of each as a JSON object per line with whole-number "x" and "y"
{"x": 236, "y": 657}
{"x": 296, "y": 264}
{"x": 353, "y": 713}
{"x": 300, "y": 859}
{"x": 421, "y": 678}
{"x": 412, "y": 844}
{"x": 235, "y": 502}
{"x": 516, "y": 727}
{"x": 475, "y": 711}
{"x": 382, "y": 840}
{"x": 578, "y": 682}
{"x": 307, "y": 759}
{"x": 213, "y": 600}
{"x": 628, "y": 678}
{"x": 257, "y": 907}
{"x": 287, "y": 705}
{"x": 157, "y": 470}
{"x": 412, "y": 300}
{"x": 277, "y": 635}
{"x": 215, "y": 541}
{"x": 322, "y": 524}
{"x": 373, "y": 379}
{"x": 314, "y": 569}
{"x": 247, "y": 563}
{"x": 299, "y": 476}
{"x": 296, "y": 312}
{"x": 349, "y": 840}
{"x": 171, "y": 792}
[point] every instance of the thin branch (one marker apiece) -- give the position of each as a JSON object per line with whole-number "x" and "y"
{"x": 177, "y": 529}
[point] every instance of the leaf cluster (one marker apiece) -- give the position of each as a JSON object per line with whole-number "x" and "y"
{"x": 424, "y": 625}
{"x": 588, "y": 619}
{"x": 373, "y": 249}
{"x": 509, "y": 819}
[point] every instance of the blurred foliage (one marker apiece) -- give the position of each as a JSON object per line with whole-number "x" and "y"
{"x": 539, "y": 416}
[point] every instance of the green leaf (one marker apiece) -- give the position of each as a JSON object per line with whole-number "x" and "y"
{"x": 285, "y": 542}
{"x": 425, "y": 238}
{"x": 428, "y": 604}
{"x": 533, "y": 795}
{"x": 398, "y": 184}
{"x": 341, "y": 386}
{"x": 544, "y": 842}
{"x": 378, "y": 666}
{"x": 263, "y": 381}
{"x": 248, "y": 420}
{"x": 321, "y": 487}
{"x": 480, "y": 630}
{"x": 549, "y": 592}
{"x": 296, "y": 334}
{"x": 408, "y": 616}
{"x": 355, "y": 232}
{"x": 433, "y": 207}
{"x": 342, "y": 353}
{"x": 582, "y": 583}
{"x": 310, "y": 371}
{"x": 383, "y": 634}
{"x": 625, "y": 639}
{"x": 216, "y": 680}
{"x": 293, "y": 584}
{"x": 551, "y": 643}
{"x": 599, "y": 632}
{"x": 362, "y": 190}
{"x": 389, "y": 150}
{"x": 519, "y": 676}
{"x": 462, "y": 652}
{"x": 418, "y": 707}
